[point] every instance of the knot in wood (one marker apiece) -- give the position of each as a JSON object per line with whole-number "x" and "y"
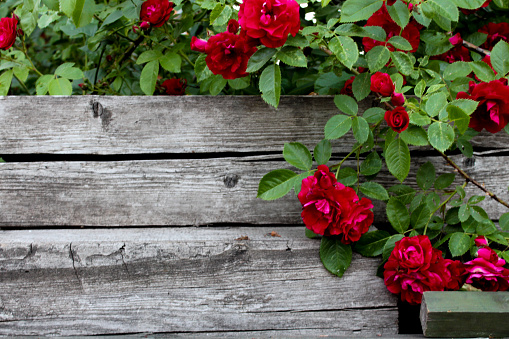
{"x": 469, "y": 162}
{"x": 97, "y": 108}
{"x": 230, "y": 180}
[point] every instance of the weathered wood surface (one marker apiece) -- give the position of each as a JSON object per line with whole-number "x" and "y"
{"x": 465, "y": 314}
{"x": 140, "y": 125}
{"x": 178, "y": 192}
{"x": 100, "y": 281}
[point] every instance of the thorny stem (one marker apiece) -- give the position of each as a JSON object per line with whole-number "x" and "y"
{"x": 475, "y": 48}
{"x": 344, "y": 159}
{"x": 28, "y": 58}
{"x": 473, "y": 181}
{"x": 22, "y": 84}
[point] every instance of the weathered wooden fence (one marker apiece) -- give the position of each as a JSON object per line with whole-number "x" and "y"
{"x": 101, "y": 196}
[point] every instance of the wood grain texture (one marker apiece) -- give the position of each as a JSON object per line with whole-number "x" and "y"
{"x": 74, "y": 282}
{"x": 465, "y": 314}
{"x": 179, "y": 192}
{"x": 201, "y": 124}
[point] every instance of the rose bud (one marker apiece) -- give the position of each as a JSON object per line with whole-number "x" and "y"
{"x": 135, "y": 28}
{"x": 145, "y": 25}
{"x": 198, "y": 45}
{"x": 480, "y": 241}
{"x": 8, "y": 27}
{"x": 175, "y": 86}
{"x": 19, "y": 32}
{"x": 456, "y": 40}
{"x": 81, "y": 85}
{"x": 109, "y": 58}
{"x": 397, "y": 119}
{"x": 233, "y": 26}
{"x": 397, "y": 99}
{"x": 156, "y": 12}
{"x": 382, "y": 83}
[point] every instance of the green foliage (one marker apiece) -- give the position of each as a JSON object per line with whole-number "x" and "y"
{"x": 336, "y": 256}
{"x": 298, "y": 155}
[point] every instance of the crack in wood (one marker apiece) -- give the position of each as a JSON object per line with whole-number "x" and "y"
{"x": 71, "y": 255}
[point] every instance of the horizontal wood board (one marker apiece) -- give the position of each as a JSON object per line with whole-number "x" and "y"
{"x": 185, "y": 124}
{"x": 190, "y": 280}
{"x": 181, "y": 192}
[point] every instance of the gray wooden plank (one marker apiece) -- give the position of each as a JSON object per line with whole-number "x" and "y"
{"x": 179, "y": 192}
{"x": 189, "y": 280}
{"x": 185, "y": 124}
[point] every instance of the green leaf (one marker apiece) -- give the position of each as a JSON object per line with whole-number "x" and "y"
{"x": 504, "y": 222}
{"x": 469, "y": 4}
{"x": 398, "y": 215}
{"x": 296, "y": 154}
{"x": 420, "y": 216}
{"x": 357, "y": 10}
{"x": 361, "y": 86}
{"x": 217, "y": 84}
{"x": 445, "y": 8}
{"x": 360, "y": 129}
{"x": 240, "y": 83}
{"x": 270, "y": 85}
{"x": 377, "y": 58}
{"x": 347, "y": 176}
{"x": 400, "y": 43}
{"x": 323, "y": 152}
{"x": 441, "y": 136}
{"x": 459, "y": 69}
{"x": 397, "y": 157}
{"x": 80, "y": 11}
{"x": 419, "y": 89}
{"x": 371, "y": 165}
{"x": 345, "y": 49}
{"x": 201, "y": 69}
{"x": 5, "y": 82}
{"x": 415, "y": 135}
{"x": 112, "y": 17}
{"x": 464, "y": 212}
{"x": 375, "y": 191}
{"x": 468, "y": 106}
{"x": 311, "y": 235}
{"x": 371, "y": 244}
{"x": 41, "y": 86}
{"x": 435, "y": 103}
{"x": 60, "y": 86}
{"x": 71, "y": 73}
{"x": 399, "y": 13}
{"x": 47, "y": 18}
{"x": 346, "y": 104}
{"x": 292, "y": 56}
{"x": 460, "y": 118}
{"x": 426, "y": 176}
{"x": 148, "y": 77}
{"x": 171, "y": 62}
{"x": 459, "y": 243}
{"x": 482, "y": 70}
{"x": 499, "y": 58}
{"x": 148, "y": 56}
{"x": 402, "y": 62}
{"x": 336, "y": 256}
{"x": 475, "y": 199}
{"x": 276, "y": 184}
{"x": 390, "y": 244}
{"x": 502, "y": 3}
{"x": 444, "y": 180}
{"x": 337, "y": 126}
{"x": 374, "y": 115}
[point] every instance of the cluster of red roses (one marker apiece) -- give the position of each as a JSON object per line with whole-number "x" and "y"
{"x": 265, "y": 22}
{"x": 415, "y": 267}
{"x": 330, "y": 208}
{"x": 8, "y": 31}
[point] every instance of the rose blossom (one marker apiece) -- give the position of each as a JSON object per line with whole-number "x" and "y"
{"x": 347, "y": 89}
{"x": 156, "y": 12}
{"x": 270, "y": 20}
{"x": 397, "y": 119}
{"x": 175, "y": 86}
{"x": 8, "y": 28}
{"x": 382, "y": 19}
{"x": 227, "y": 53}
{"x": 330, "y": 208}
{"x": 486, "y": 272}
{"x": 492, "y": 113}
{"x": 495, "y": 32}
{"x": 382, "y": 83}
{"x": 397, "y": 99}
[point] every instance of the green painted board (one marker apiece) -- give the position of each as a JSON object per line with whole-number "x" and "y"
{"x": 465, "y": 314}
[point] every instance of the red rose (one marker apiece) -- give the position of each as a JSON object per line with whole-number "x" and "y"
{"x": 397, "y": 119}
{"x": 382, "y": 83}
{"x": 8, "y": 28}
{"x": 270, "y": 20}
{"x": 453, "y": 273}
{"x": 233, "y": 26}
{"x": 347, "y": 89}
{"x": 156, "y": 12}
{"x": 487, "y": 271}
{"x": 397, "y": 99}
{"x": 382, "y": 19}
{"x": 492, "y": 113}
{"x": 495, "y": 32}
{"x": 175, "y": 86}
{"x": 330, "y": 208}
{"x": 227, "y": 53}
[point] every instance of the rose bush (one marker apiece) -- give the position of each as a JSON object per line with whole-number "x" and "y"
{"x": 436, "y": 71}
